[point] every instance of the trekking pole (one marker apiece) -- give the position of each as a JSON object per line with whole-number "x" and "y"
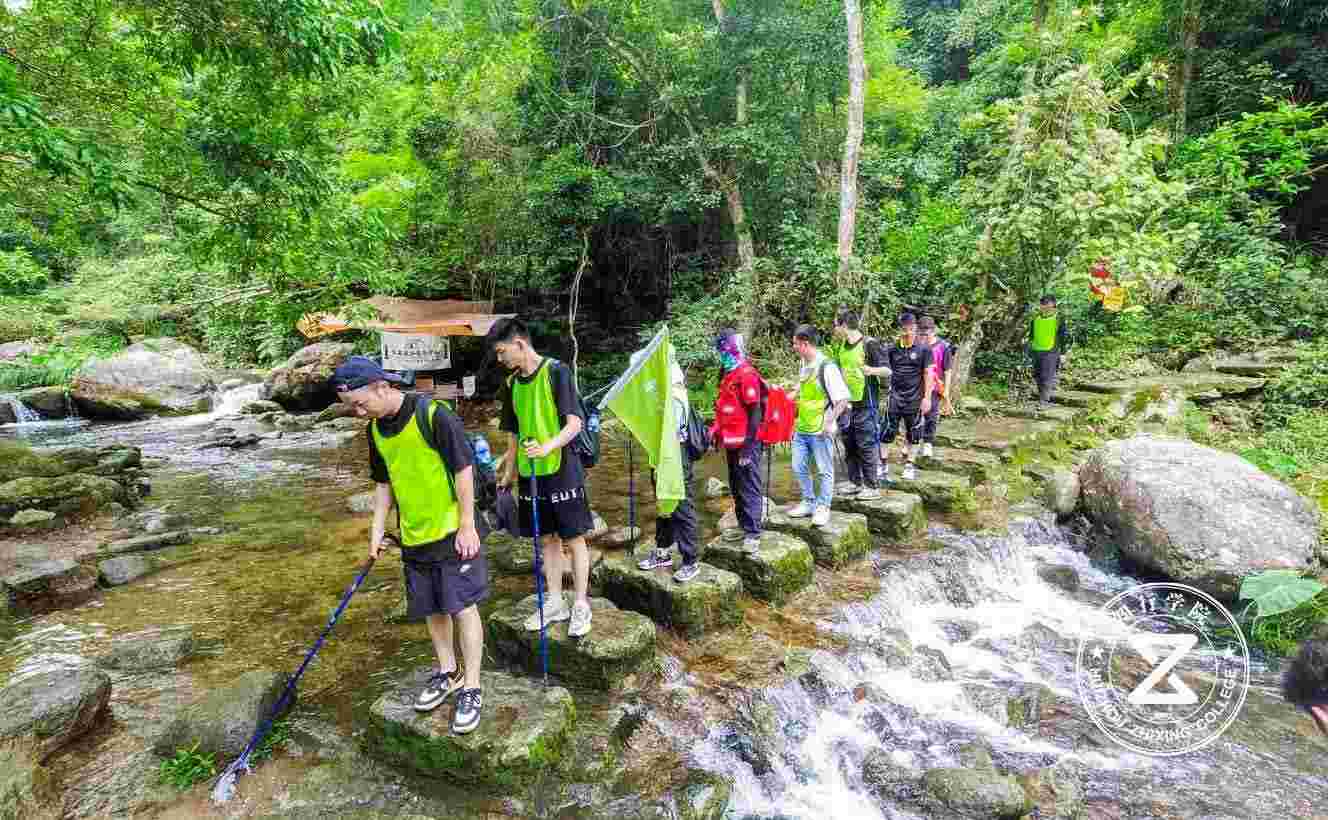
{"x": 539, "y": 570}
{"x": 224, "y": 788}
{"x": 631, "y": 497}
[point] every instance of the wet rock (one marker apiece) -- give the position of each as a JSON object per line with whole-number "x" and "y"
{"x": 975, "y": 794}
{"x": 336, "y": 411}
{"x": 1039, "y": 638}
{"x": 509, "y": 555}
{"x": 153, "y": 377}
{"x": 524, "y": 731}
{"x": 930, "y": 665}
{"x": 1195, "y": 514}
{"x": 33, "y": 520}
{"x": 1057, "y": 791}
{"x": 352, "y": 425}
{"x": 716, "y": 488}
{"x": 895, "y": 517}
{"x": 25, "y": 787}
{"x": 618, "y": 646}
{"x": 843, "y": 539}
{"x": 704, "y": 796}
{"x": 361, "y": 503}
{"x": 145, "y": 543}
{"x": 1078, "y": 398}
{"x": 1061, "y": 415}
{"x": 1190, "y": 384}
{"x": 48, "y": 402}
{"x": 781, "y": 567}
{"x": 942, "y": 492}
{"x": 890, "y": 776}
{"x": 46, "y": 586}
{"x": 707, "y": 602}
{"x": 892, "y": 646}
{"x": 1029, "y": 705}
{"x": 226, "y": 717}
{"x": 1059, "y": 576}
{"x": 989, "y": 701}
{"x": 150, "y": 649}
{"x": 301, "y": 382}
{"x": 228, "y": 442}
{"x": 1061, "y": 493}
{"x": 22, "y": 462}
{"x": 76, "y": 494}
{"x": 261, "y": 407}
{"x": 294, "y": 424}
{"x": 114, "y": 572}
{"x": 976, "y": 465}
{"x": 995, "y": 434}
{"x": 959, "y": 630}
{"x": 53, "y": 699}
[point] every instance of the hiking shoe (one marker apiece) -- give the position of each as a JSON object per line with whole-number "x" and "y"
{"x": 914, "y": 452}
{"x": 437, "y": 689}
{"x": 885, "y": 475}
{"x": 928, "y": 450}
{"x": 466, "y": 716}
{"x": 869, "y": 494}
{"x": 821, "y": 517}
{"x": 846, "y": 488}
{"x": 910, "y": 471}
{"x": 580, "y": 620}
{"x": 801, "y": 511}
{"x": 751, "y": 544}
{"x": 732, "y": 536}
{"x": 657, "y": 558}
{"x": 555, "y": 610}
{"x": 687, "y": 572}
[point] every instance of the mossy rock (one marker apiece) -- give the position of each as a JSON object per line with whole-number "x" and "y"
{"x": 995, "y": 434}
{"x": 619, "y": 644}
{"x": 62, "y": 495}
{"x": 226, "y": 717}
{"x": 46, "y": 586}
{"x": 705, "y": 796}
{"x": 941, "y": 492}
{"x": 25, "y": 786}
{"x": 779, "y": 569}
{"x": 1189, "y": 383}
{"x": 509, "y": 556}
{"x": 1082, "y": 399}
{"x": 977, "y": 465}
{"x": 843, "y": 539}
{"x": 1056, "y": 413}
{"x": 976, "y": 793}
{"x": 707, "y": 602}
{"x": 524, "y": 731}
{"x": 895, "y": 517}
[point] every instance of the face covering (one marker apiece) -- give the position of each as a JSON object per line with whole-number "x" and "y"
{"x": 731, "y": 352}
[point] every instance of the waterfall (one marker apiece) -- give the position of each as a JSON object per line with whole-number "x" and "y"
{"x": 232, "y": 401}
{"x": 22, "y": 413}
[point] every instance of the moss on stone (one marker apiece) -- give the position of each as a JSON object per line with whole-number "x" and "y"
{"x": 619, "y": 645}
{"x": 895, "y": 517}
{"x": 707, "y": 602}
{"x": 781, "y": 567}
{"x": 843, "y": 539}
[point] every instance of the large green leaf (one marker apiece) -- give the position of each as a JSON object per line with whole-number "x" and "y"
{"x": 1278, "y": 590}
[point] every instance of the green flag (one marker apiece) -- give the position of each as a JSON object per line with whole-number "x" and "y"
{"x": 643, "y": 400}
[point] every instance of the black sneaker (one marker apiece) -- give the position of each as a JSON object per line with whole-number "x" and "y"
{"x": 466, "y": 716}
{"x": 439, "y": 687}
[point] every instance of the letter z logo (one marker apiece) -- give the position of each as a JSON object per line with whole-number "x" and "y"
{"x": 1146, "y": 645}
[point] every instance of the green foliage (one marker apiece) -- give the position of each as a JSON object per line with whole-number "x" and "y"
{"x": 1275, "y": 591}
{"x": 1304, "y": 383}
{"x": 20, "y": 273}
{"x": 187, "y": 768}
{"x": 1284, "y": 609}
{"x": 277, "y": 737}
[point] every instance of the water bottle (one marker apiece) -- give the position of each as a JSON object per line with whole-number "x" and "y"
{"x": 482, "y": 454}
{"x": 592, "y": 423}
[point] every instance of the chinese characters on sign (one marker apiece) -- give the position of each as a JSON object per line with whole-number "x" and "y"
{"x": 416, "y": 351}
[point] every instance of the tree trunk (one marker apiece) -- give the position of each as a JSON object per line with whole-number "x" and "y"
{"x": 574, "y": 303}
{"x": 964, "y": 355}
{"x": 1182, "y": 67}
{"x": 848, "y": 172}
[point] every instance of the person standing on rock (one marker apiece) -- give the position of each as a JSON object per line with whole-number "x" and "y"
{"x": 862, "y": 362}
{"x": 911, "y": 387}
{"x": 542, "y": 412}
{"x": 822, "y": 397}
{"x": 421, "y": 462}
{"x": 1048, "y": 343}
{"x": 739, "y": 410}
{"x": 681, "y": 527}
{"x": 1305, "y": 682}
{"x": 940, "y": 374}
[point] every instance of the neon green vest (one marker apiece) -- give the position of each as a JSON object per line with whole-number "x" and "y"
{"x": 537, "y": 418}
{"x": 851, "y": 359}
{"x": 812, "y": 402}
{"x": 420, "y": 482}
{"x": 1044, "y": 332}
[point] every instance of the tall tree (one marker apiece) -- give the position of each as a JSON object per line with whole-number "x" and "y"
{"x": 848, "y": 173}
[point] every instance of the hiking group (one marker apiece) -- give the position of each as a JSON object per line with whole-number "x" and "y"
{"x": 851, "y": 399}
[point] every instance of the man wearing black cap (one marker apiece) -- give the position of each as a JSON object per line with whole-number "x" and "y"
{"x": 420, "y": 461}
{"x": 1305, "y": 682}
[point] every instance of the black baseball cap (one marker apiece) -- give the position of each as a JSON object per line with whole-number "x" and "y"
{"x": 360, "y": 371}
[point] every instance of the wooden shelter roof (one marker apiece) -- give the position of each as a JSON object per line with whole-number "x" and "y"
{"x": 395, "y": 315}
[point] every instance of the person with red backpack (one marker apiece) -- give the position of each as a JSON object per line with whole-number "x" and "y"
{"x": 739, "y": 411}
{"x": 941, "y": 354}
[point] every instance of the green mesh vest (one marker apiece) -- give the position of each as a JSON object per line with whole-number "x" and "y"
{"x": 851, "y": 359}
{"x": 423, "y": 490}
{"x": 1044, "y": 333}
{"x": 812, "y": 401}
{"x": 536, "y": 417}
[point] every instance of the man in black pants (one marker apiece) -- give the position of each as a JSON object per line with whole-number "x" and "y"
{"x": 739, "y": 409}
{"x": 911, "y": 386}
{"x": 862, "y": 361}
{"x": 1048, "y": 343}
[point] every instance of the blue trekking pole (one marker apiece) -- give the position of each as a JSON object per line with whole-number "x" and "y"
{"x": 539, "y": 570}
{"x": 225, "y": 785}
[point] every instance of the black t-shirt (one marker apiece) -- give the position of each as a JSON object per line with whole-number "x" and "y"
{"x": 571, "y": 475}
{"x": 449, "y": 439}
{"x": 907, "y": 368}
{"x": 874, "y": 355}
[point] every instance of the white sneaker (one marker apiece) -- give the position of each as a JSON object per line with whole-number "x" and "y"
{"x": 845, "y": 489}
{"x": 801, "y": 511}
{"x": 927, "y": 450}
{"x": 869, "y": 494}
{"x": 580, "y": 621}
{"x": 914, "y": 452}
{"x": 885, "y": 474}
{"x": 910, "y": 471}
{"x": 821, "y": 517}
{"x": 555, "y": 610}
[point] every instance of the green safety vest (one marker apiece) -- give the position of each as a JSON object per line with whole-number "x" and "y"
{"x": 851, "y": 359}
{"x": 537, "y": 418}
{"x": 1044, "y": 333}
{"x": 420, "y": 482}
{"x": 812, "y": 401}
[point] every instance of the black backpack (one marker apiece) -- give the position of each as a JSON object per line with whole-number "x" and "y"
{"x": 586, "y": 444}
{"x": 697, "y": 440}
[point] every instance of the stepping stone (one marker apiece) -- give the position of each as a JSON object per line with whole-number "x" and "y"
{"x": 1189, "y": 383}
{"x": 144, "y": 543}
{"x": 781, "y": 567}
{"x": 1050, "y": 413}
{"x": 994, "y": 433}
{"x": 516, "y": 556}
{"x": 845, "y": 538}
{"x": 1077, "y": 398}
{"x": 47, "y": 586}
{"x": 523, "y": 732}
{"x": 707, "y": 602}
{"x": 1248, "y": 366}
{"x": 942, "y": 492}
{"x": 895, "y": 517}
{"x": 979, "y": 466}
{"x": 619, "y": 643}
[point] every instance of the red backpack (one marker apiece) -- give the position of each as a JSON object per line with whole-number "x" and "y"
{"x": 730, "y": 428}
{"x": 781, "y": 414}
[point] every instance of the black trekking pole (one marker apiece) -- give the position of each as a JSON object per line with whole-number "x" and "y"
{"x": 631, "y": 497}
{"x": 539, "y": 570}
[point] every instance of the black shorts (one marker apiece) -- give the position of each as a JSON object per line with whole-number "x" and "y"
{"x": 565, "y": 513}
{"x": 444, "y": 587}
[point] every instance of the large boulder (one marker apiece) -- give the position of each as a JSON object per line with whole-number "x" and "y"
{"x": 301, "y": 383}
{"x": 224, "y": 720}
{"x": 49, "y": 402}
{"x": 154, "y": 377}
{"x": 703, "y": 604}
{"x": 18, "y": 461}
{"x": 780, "y": 567}
{"x": 974, "y": 793}
{"x": 47, "y": 585}
{"x": 78, "y": 493}
{"x": 150, "y": 649}
{"x": 53, "y": 699}
{"x": 1195, "y": 514}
